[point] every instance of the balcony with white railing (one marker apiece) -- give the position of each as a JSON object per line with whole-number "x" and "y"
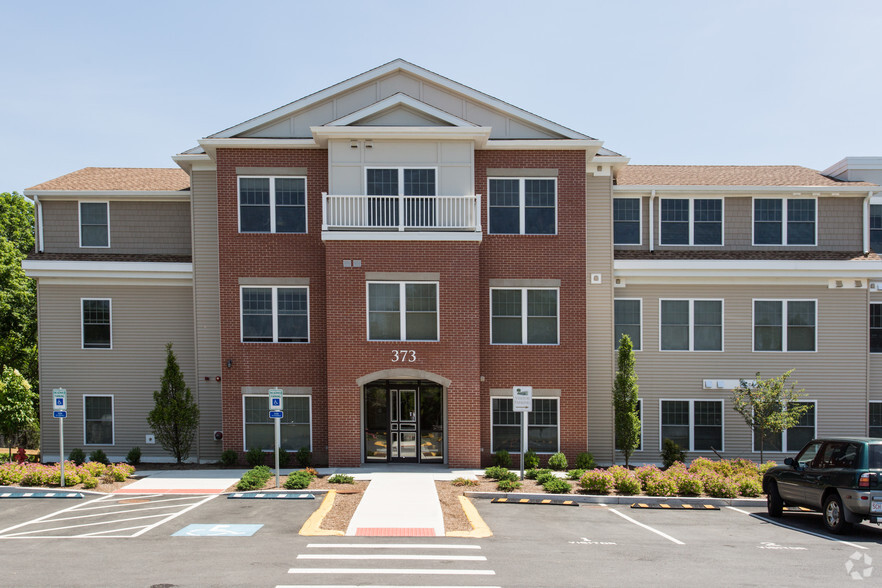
{"x": 382, "y": 217}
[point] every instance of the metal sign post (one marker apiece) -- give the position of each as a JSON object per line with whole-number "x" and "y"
{"x": 276, "y": 413}
{"x": 59, "y": 411}
{"x": 522, "y": 402}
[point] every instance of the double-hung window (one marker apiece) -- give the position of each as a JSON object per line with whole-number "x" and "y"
{"x": 691, "y": 221}
{"x": 542, "y": 426}
{"x": 524, "y": 316}
{"x": 94, "y": 224}
{"x": 98, "y": 420}
{"x": 96, "y": 323}
{"x": 402, "y": 311}
{"x": 627, "y": 313}
{"x": 691, "y": 325}
{"x": 272, "y": 204}
{"x": 522, "y": 206}
{"x": 626, "y": 221}
{"x": 784, "y": 221}
{"x": 792, "y": 439}
{"x": 784, "y": 325}
{"x": 275, "y": 314}
{"x": 875, "y": 328}
{"x": 294, "y": 426}
{"x": 876, "y": 227}
{"x": 694, "y": 425}
{"x": 875, "y": 419}
{"x": 415, "y": 186}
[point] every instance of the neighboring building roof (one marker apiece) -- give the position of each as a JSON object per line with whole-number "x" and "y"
{"x": 139, "y": 257}
{"x": 726, "y": 175}
{"x": 134, "y": 179}
{"x": 745, "y": 255}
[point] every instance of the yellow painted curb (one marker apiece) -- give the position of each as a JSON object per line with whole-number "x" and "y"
{"x": 479, "y": 530}
{"x": 312, "y": 524}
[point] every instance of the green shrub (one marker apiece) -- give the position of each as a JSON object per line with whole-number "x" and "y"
{"x": 557, "y": 486}
{"x": 671, "y": 452}
{"x": 99, "y": 456}
{"x": 119, "y": 472}
{"x": 89, "y": 482}
{"x": 597, "y": 482}
{"x": 93, "y": 468}
{"x": 341, "y": 479}
{"x": 585, "y": 461}
{"x": 645, "y": 472}
{"x": 531, "y": 460}
{"x": 558, "y": 462}
{"x": 763, "y": 468}
{"x": 628, "y": 484}
{"x": 502, "y": 459}
{"x": 298, "y": 480}
{"x": 499, "y": 473}
{"x": 749, "y": 486}
{"x": 229, "y": 458}
{"x": 508, "y": 485}
{"x": 534, "y": 473}
{"x": 575, "y": 474}
{"x": 255, "y": 478}
{"x": 619, "y": 472}
{"x": 689, "y": 484}
{"x": 77, "y": 455}
{"x": 304, "y": 457}
{"x": 701, "y": 465}
{"x": 35, "y": 476}
{"x": 52, "y": 476}
{"x": 720, "y": 487}
{"x": 255, "y": 457}
{"x": 134, "y": 456}
{"x": 463, "y": 482}
{"x": 544, "y": 477}
{"x": 661, "y": 485}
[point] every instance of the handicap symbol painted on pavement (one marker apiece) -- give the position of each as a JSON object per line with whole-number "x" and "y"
{"x": 217, "y": 531}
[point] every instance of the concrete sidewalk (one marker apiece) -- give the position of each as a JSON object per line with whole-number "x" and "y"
{"x": 399, "y": 505}
{"x": 182, "y": 482}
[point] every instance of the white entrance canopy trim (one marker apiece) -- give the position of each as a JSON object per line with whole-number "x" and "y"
{"x": 102, "y": 270}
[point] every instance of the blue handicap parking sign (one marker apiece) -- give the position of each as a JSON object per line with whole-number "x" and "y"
{"x": 277, "y": 401}
{"x": 217, "y": 530}
{"x": 59, "y": 402}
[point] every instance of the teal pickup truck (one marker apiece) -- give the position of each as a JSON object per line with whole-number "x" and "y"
{"x": 837, "y": 476}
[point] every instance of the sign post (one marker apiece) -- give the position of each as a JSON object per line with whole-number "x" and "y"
{"x": 276, "y": 413}
{"x": 522, "y": 402}
{"x": 59, "y": 411}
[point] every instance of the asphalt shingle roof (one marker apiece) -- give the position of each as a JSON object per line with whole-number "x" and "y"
{"x": 726, "y": 175}
{"x": 136, "y": 179}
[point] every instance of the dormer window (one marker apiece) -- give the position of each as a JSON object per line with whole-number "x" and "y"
{"x": 784, "y": 221}
{"x": 94, "y": 224}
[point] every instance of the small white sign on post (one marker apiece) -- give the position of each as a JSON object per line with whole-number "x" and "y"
{"x": 522, "y": 402}
{"x": 59, "y": 411}
{"x": 275, "y": 413}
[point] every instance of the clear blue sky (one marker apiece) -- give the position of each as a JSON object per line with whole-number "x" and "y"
{"x": 705, "y": 82}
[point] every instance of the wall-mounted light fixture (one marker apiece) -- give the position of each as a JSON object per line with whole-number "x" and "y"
{"x": 229, "y": 363}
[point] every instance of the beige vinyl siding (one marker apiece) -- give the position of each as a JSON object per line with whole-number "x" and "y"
{"x": 599, "y": 313}
{"x": 834, "y": 375}
{"x": 144, "y": 318}
{"x": 207, "y": 310}
{"x": 135, "y": 227}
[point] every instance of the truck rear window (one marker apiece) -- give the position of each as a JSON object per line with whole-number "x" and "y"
{"x": 875, "y": 457}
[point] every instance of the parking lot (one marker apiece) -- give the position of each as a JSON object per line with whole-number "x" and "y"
{"x": 203, "y": 540}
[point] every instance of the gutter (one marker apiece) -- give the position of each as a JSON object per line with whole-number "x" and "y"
{"x": 652, "y": 221}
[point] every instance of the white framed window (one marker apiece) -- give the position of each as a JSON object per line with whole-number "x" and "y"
{"x": 793, "y": 439}
{"x": 690, "y": 325}
{"x": 875, "y": 418}
{"x": 274, "y": 314}
{"x": 627, "y": 225}
{"x": 694, "y": 425}
{"x": 96, "y": 323}
{"x": 628, "y": 321}
{"x": 94, "y": 224}
{"x": 402, "y": 311}
{"x": 524, "y": 316}
{"x": 690, "y": 221}
{"x": 417, "y": 186}
{"x": 272, "y": 204}
{"x": 875, "y": 327}
{"x": 785, "y": 221}
{"x": 98, "y": 419}
{"x": 785, "y": 325}
{"x": 876, "y": 227}
{"x": 543, "y": 425}
{"x": 295, "y": 426}
{"x": 522, "y": 206}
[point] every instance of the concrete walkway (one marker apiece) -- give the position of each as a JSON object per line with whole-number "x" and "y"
{"x": 399, "y": 505}
{"x": 182, "y": 482}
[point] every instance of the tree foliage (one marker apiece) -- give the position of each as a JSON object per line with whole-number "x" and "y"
{"x": 17, "y": 221}
{"x": 627, "y": 423}
{"x": 175, "y": 416}
{"x": 769, "y": 406}
{"x": 18, "y": 417}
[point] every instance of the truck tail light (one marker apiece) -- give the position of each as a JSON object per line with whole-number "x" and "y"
{"x": 864, "y": 481}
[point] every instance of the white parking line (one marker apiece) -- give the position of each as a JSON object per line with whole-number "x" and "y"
{"x": 421, "y": 571}
{"x": 189, "y": 508}
{"x": 115, "y": 512}
{"x": 807, "y": 532}
{"x": 52, "y": 514}
{"x": 393, "y": 557}
{"x": 647, "y": 527}
{"x": 376, "y": 586}
{"x": 116, "y": 503}
{"x": 394, "y": 545}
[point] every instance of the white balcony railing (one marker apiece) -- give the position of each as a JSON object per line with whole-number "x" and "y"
{"x": 401, "y": 213}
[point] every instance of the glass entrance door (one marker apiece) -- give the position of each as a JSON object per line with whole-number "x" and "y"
{"x": 403, "y": 425}
{"x": 404, "y": 422}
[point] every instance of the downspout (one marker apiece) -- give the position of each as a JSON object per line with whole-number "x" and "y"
{"x": 652, "y": 221}
{"x": 867, "y": 223}
{"x": 38, "y": 217}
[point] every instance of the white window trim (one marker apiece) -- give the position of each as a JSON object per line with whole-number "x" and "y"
{"x": 83, "y": 325}
{"x": 784, "y": 432}
{"x": 524, "y": 316}
{"x": 272, "y": 203}
{"x": 402, "y": 310}
{"x": 271, "y": 424}
{"x": 400, "y": 169}
{"x": 640, "y": 301}
{"x": 783, "y": 200}
{"x": 691, "y": 242}
{"x": 112, "y": 420}
{"x": 80, "y": 223}
{"x": 692, "y": 402}
{"x": 692, "y": 325}
{"x": 784, "y": 302}
{"x": 522, "y": 196}
{"x": 639, "y": 220}
{"x": 870, "y": 328}
{"x": 275, "y": 302}
{"x": 868, "y": 414}
{"x": 492, "y": 398}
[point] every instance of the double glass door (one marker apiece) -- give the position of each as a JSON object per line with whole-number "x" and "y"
{"x": 403, "y": 422}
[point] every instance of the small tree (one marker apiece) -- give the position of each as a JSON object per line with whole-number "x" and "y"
{"x": 17, "y": 414}
{"x": 768, "y": 406}
{"x": 627, "y": 423}
{"x": 175, "y": 416}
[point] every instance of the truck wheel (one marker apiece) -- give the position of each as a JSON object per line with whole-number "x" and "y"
{"x": 774, "y": 504}
{"x": 834, "y": 515}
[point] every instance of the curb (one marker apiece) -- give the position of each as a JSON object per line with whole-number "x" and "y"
{"x": 588, "y": 499}
{"x": 273, "y": 494}
{"x": 312, "y": 524}
{"x": 43, "y": 494}
{"x": 480, "y": 530}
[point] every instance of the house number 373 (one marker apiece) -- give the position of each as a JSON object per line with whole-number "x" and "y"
{"x": 403, "y": 355}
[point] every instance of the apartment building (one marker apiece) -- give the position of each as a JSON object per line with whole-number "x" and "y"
{"x": 397, "y": 251}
